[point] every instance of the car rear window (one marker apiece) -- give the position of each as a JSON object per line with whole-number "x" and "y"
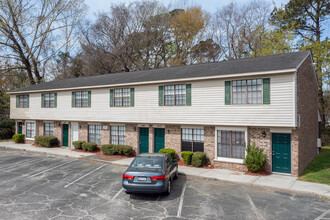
{"x": 148, "y": 163}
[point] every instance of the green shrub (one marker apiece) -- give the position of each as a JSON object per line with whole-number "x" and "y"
{"x": 89, "y": 146}
{"x": 19, "y": 138}
{"x": 198, "y": 159}
{"x": 255, "y": 159}
{"x": 168, "y": 151}
{"x": 112, "y": 149}
{"x": 46, "y": 141}
{"x": 78, "y": 144}
{"x": 187, "y": 156}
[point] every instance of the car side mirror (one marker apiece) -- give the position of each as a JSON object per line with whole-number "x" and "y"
{"x": 175, "y": 161}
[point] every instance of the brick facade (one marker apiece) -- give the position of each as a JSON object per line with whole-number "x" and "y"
{"x": 131, "y": 136}
{"x": 173, "y": 137}
{"x": 105, "y": 133}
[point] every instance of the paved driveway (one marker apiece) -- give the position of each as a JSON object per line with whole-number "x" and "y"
{"x": 34, "y": 186}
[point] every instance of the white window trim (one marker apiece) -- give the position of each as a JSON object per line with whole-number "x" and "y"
{"x": 35, "y": 129}
{"x": 226, "y": 159}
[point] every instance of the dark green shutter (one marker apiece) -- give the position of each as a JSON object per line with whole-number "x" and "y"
{"x": 227, "y": 92}
{"x": 55, "y": 100}
{"x": 42, "y": 100}
{"x": 17, "y": 100}
{"x": 111, "y": 97}
{"x": 266, "y": 91}
{"x": 28, "y": 100}
{"x": 188, "y": 94}
{"x": 89, "y": 99}
{"x": 132, "y": 97}
{"x": 73, "y": 99}
{"x": 160, "y": 95}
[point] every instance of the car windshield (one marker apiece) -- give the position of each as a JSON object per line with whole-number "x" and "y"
{"x": 148, "y": 163}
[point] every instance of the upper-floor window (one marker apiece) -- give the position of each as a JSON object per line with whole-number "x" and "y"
{"x": 81, "y": 99}
{"x": 247, "y": 91}
{"x": 49, "y": 100}
{"x": 48, "y": 129}
{"x": 122, "y": 97}
{"x": 22, "y": 101}
{"x": 30, "y": 129}
{"x": 175, "y": 94}
{"x": 192, "y": 139}
{"x": 94, "y": 134}
{"x": 117, "y": 135}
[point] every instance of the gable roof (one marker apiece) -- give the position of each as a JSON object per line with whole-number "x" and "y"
{"x": 287, "y": 61}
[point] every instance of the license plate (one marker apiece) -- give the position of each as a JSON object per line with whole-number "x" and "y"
{"x": 142, "y": 178}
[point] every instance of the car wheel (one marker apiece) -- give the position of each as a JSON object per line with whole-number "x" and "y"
{"x": 168, "y": 191}
{"x": 176, "y": 173}
{"x": 128, "y": 192}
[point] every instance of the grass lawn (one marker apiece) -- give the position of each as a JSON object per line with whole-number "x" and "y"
{"x": 318, "y": 170}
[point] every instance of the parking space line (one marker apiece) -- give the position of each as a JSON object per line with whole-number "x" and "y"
{"x": 23, "y": 163}
{"x": 181, "y": 200}
{"x": 117, "y": 194}
{"x": 254, "y": 208}
{"x": 84, "y": 176}
{"x": 323, "y": 215}
{"x": 36, "y": 174}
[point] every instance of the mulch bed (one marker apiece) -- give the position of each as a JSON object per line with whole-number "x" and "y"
{"x": 207, "y": 166}
{"x": 104, "y": 157}
{"x": 259, "y": 173}
{"x": 36, "y": 145}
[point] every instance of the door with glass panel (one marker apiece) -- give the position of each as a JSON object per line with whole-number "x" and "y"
{"x": 74, "y": 133}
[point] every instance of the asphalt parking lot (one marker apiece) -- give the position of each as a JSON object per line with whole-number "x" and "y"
{"x": 36, "y": 186}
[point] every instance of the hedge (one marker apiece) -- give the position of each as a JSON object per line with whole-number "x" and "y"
{"x": 255, "y": 159}
{"x": 187, "y": 156}
{"x": 198, "y": 159}
{"x": 112, "y": 149}
{"x": 78, "y": 144}
{"x": 89, "y": 146}
{"x": 168, "y": 151}
{"x": 46, "y": 141}
{"x": 18, "y": 138}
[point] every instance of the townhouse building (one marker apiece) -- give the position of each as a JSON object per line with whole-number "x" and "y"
{"x": 217, "y": 108}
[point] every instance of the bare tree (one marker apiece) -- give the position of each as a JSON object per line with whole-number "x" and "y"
{"x": 30, "y": 30}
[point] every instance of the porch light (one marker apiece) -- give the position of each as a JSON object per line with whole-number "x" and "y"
{"x": 168, "y": 131}
{"x": 134, "y": 128}
{"x": 263, "y": 134}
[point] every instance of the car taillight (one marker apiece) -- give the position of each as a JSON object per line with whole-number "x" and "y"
{"x": 128, "y": 177}
{"x": 158, "y": 177}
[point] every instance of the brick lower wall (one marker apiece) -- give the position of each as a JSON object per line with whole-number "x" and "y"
{"x": 209, "y": 143}
{"x": 173, "y": 137}
{"x": 131, "y": 136}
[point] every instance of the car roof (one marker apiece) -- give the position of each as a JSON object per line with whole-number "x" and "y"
{"x": 153, "y": 155}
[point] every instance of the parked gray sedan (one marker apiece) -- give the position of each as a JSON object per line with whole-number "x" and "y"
{"x": 150, "y": 173}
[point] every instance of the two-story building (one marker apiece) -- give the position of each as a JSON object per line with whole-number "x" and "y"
{"x": 217, "y": 108}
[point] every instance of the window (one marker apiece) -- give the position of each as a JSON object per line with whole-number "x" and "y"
{"x": 122, "y": 97}
{"x": 192, "y": 140}
{"x": 81, "y": 99}
{"x": 22, "y": 101}
{"x": 247, "y": 91}
{"x": 94, "y": 134}
{"x": 231, "y": 144}
{"x": 30, "y": 129}
{"x": 49, "y": 100}
{"x": 117, "y": 135}
{"x": 175, "y": 94}
{"x": 48, "y": 129}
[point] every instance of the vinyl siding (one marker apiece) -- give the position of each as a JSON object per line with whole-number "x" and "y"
{"x": 207, "y": 107}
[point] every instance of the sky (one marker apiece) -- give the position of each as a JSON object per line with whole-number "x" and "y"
{"x": 208, "y": 5}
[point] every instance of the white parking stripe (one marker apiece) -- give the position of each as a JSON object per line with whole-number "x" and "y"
{"x": 117, "y": 194}
{"x": 22, "y": 163}
{"x": 254, "y": 208}
{"x": 322, "y": 215}
{"x": 84, "y": 176}
{"x": 181, "y": 200}
{"x": 36, "y": 174}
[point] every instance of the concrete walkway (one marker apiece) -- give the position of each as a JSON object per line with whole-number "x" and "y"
{"x": 274, "y": 181}
{"x": 59, "y": 151}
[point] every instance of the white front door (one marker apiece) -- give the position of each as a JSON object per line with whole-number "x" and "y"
{"x": 74, "y": 132}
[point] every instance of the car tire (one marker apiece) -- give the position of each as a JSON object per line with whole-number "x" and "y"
{"x": 176, "y": 173}
{"x": 128, "y": 192}
{"x": 168, "y": 190}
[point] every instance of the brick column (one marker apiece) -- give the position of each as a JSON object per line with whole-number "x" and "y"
{"x": 131, "y": 136}
{"x": 83, "y": 131}
{"x": 209, "y": 144}
{"x": 151, "y": 139}
{"x": 58, "y": 132}
{"x": 105, "y": 134}
{"x": 173, "y": 138}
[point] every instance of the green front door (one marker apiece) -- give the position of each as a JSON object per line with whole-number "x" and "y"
{"x": 65, "y": 135}
{"x": 144, "y": 140}
{"x": 19, "y": 127}
{"x": 159, "y": 139}
{"x": 281, "y": 153}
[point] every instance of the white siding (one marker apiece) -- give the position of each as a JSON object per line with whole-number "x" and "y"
{"x": 207, "y": 108}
